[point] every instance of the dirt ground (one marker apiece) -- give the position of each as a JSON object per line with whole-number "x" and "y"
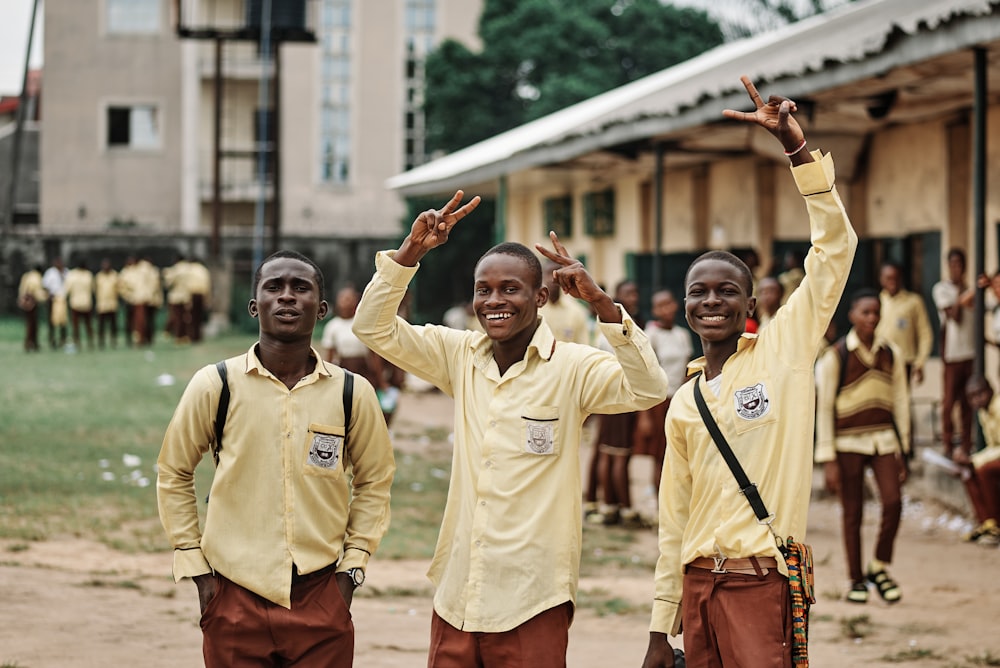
{"x": 76, "y": 603}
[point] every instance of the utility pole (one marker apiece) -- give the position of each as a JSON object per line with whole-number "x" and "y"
{"x": 15, "y": 160}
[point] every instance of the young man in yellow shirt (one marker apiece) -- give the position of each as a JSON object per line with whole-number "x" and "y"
{"x": 720, "y": 569}
{"x": 508, "y": 555}
{"x": 300, "y": 498}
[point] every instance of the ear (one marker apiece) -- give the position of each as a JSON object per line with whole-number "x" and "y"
{"x": 324, "y": 308}
{"x": 751, "y": 306}
{"x": 252, "y": 308}
{"x": 542, "y": 296}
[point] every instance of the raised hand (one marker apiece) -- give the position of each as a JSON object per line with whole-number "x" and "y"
{"x": 574, "y": 280}
{"x": 775, "y": 116}
{"x": 431, "y": 229}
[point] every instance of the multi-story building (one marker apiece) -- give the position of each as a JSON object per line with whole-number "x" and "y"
{"x": 137, "y": 92}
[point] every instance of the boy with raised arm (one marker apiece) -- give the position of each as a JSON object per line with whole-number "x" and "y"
{"x": 507, "y": 559}
{"x": 720, "y": 570}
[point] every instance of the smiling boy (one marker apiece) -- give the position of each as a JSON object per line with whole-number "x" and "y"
{"x": 507, "y": 560}
{"x": 720, "y": 570}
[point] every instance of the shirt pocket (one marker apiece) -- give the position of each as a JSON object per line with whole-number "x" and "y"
{"x": 541, "y": 431}
{"x": 753, "y": 406}
{"x": 324, "y": 451}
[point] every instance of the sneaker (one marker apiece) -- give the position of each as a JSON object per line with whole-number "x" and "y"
{"x": 990, "y": 537}
{"x": 631, "y": 519}
{"x": 858, "y": 593}
{"x": 885, "y": 586}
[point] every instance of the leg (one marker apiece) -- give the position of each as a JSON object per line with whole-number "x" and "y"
{"x": 852, "y": 484}
{"x": 88, "y": 325}
{"x": 964, "y": 373}
{"x": 75, "y": 317}
{"x": 318, "y": 631}
{"x": 753, "y": 620}
{"x": 886, "y": 469}
{"x": 451, "y": 648}
{"x": 948, "y": 398}
{"x": 701, "y": 645}
{"x": 541, "y": 641}
{"x": 235, "y": 628}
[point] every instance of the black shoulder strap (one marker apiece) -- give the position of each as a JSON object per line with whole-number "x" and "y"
{"x": 841, "y": 347}
{"x": 747, "y": 488}
{"x": 223, "y": 410}
{"x": 348, "y": 402}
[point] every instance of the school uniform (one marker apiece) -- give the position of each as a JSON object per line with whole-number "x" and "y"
{"x": 282, "y": 504}
{"x": 509, "y": 545}
{"x": 904, "y": 323}
{"x": 762, "y": 402}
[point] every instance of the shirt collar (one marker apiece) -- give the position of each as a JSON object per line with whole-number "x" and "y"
{"x": 542, "y": 341}
{"x": 853, "y": 342}
{"x": 698, "y": 365}
{"x": 253, "y": 363}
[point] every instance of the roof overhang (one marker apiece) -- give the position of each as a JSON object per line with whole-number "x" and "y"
{"x": 853, "y": 70}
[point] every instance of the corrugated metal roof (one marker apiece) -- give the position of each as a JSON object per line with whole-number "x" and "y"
{"x": 851, "y": 33}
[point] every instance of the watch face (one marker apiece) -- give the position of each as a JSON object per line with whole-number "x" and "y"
{"x": 357, "y": 576}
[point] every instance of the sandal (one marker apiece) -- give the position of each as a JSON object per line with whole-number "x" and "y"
{"x": 886, "y": 586}
{"x": 858, "y": 593}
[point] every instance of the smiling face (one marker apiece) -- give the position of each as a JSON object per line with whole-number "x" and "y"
{"x": 717, "y": 300}
{"x": 506, "y": 298}
{"x": 287, "y": 301}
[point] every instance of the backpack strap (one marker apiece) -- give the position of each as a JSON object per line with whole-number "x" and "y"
{"x": 348, "y": 402}
{"x": 222, "y": 411}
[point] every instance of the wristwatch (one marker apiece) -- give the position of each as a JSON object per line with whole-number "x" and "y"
{"x": 357, "y": 576}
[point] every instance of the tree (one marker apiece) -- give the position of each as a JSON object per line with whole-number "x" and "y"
{"x": 539, "y": 56}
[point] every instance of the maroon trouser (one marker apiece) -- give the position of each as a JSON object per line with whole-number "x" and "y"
{"x": 239, "y": 628}
{"x": 31, "y": 328}
{"x": 539, "y": 642}
{"x": 852, "y": 489}
{"x": 956, "y": 375}
{"x": 983, "y": 487}
{"x": 736, "y": 619}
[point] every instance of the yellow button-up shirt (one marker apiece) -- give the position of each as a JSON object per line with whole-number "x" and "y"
{"x": 31, "y": 285}
{"x": 509, "y": 545}
{"x": 765, "y": 410}
{"x": 79, "y": 288}
{"x": 989, "y": 420}
{"x": 905, "y": 324}
{"x": 882, "y": 442}
{"x": 278, "y": 497}
{"x": 106, "y": 283}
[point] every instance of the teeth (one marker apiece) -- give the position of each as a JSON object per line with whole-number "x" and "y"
{"x": 498, "y": 316}
{"x": 713, "y": 318}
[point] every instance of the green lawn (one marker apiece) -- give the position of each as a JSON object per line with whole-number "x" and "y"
{"x": 71, "y": 426}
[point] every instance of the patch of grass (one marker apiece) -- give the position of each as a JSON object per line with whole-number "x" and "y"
{"x": 112, "y": 584}
{"x": 18, "y": 547}
{"x": 987, "y": 658}
{"x": 856, "y": 626}
{"x": 604, "y": 604}
{"x": 910, "y": 654}
{"x": 12, "y": 664}
{"x": 393, "y": 591}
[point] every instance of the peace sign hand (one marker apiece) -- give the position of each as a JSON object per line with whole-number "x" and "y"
{"x": 431, "y": 228}
{"x": 775, "y": 116}
{"x": 574, "y": 280}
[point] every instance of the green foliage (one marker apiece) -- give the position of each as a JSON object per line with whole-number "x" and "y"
{"x": 540, "y": 56}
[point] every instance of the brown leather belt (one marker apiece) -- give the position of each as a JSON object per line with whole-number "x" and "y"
{"x": 747, "y": 566}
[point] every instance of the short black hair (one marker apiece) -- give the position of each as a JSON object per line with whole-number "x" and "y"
{"x": 294, "y": 255}
{"x": 729, "y": 258}
{"x": 863, "y": 293}
{"x": 519, "y": 251}
{"x": 957, "y": 253}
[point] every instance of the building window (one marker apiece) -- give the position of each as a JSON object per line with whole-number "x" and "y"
{"x": 133, "y": 17}
{"x": 136, "y": 126}
{"x": 420, "y": 26}
{"x": 559, "y": 216}
{"x": 335, "y": 85}
{"x": 599, "y": 213}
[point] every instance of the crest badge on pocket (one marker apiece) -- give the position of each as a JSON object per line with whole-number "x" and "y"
{"x": 752, "y": 402}
{"x": 325, "y": 450}
{"x": 540, "y": 438}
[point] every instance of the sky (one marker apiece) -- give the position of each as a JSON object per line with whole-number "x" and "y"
{"x": 15, "y": 17}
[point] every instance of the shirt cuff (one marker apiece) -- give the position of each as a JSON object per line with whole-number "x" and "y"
{"x": 189, "y": 563}
{"x": 815, "y": 177}
{"x": 391, "y": 271}
{"x": 666, "y": 618}
{"x": 825, "y": 452}
{"x": 354, "y": 557}
{"x": 618, "y": 333}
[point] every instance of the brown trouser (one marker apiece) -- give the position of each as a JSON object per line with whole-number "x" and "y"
{"x": 852, "y": 491}
{"x": 85, "y": 316}
{"x": 736, "y": 619}
{"x": 539, "y": 642}
{"x": 956, "y": 375}
{"x": 983, "y": 487}
{"x": 31, "y": 328}
{"x": 107, "y": 320}
{"x": 240, "y": 628}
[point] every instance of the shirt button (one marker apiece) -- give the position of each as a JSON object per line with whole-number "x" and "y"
{"x": 489, "y": 464}
{"x": 482, "y": 503}
{"x": 493, "y": 423}
{"x": 478, "y": 543}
